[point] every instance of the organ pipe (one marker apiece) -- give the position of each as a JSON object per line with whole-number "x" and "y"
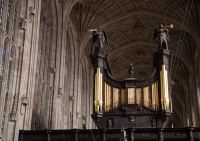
{"x": 98, "y": 91}
{"x": 146, "y": 96}
{"x": 155, "y": 103}
{"x": 164, "y": 88}
{"x": 131, "y": 96}
{"x": 138, "y": 95}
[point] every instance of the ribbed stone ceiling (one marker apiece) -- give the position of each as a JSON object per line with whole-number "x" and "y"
{"x": 130, "y": 25}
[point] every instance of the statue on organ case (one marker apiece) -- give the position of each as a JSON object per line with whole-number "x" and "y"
{"x": 99, "y": 38}
{"x": 161, "y": 33}
{"x": 131, "y": 70}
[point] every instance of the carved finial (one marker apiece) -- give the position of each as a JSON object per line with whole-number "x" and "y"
{"x": 131, "y": 70}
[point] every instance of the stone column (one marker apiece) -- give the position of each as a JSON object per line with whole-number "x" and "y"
{"x": 28, "y": 39}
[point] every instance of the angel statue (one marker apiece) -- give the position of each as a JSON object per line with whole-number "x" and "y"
{"x": 99, "y": 38}
{"x": 131, "y": 70}
{"x": 161, "y": 33}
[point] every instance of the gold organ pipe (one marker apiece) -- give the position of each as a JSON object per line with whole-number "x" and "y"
{"x": 164, "y": 89}
{"x": 115, "y": 97}
{"x": 105, "y": 97}
{"x": 155, "y": 95}
{"x": 96, "y": 95}
{"x": 161, "y": 88}
{"x": 138, "y": 95}
{"x": 146, "y": 96}
{"x": 98, "y": 91}
{"x": 131, "y": 96}
{"x": 109, "y": 94}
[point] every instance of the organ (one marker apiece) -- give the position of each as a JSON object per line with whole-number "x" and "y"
{"x": 133, "y": 103}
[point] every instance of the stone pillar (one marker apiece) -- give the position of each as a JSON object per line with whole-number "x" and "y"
{"x": 28, "y": 39}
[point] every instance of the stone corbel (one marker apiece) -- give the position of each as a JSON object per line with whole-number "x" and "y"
{"x": 60, "y": 92}
{"x": 84, "y": 118}
{"x": 20, "y": 48}
{"x": 52, "y": 70}
{"x": 32, "y": 12}
{"x": 24, "y": 103}
{"x": 23, "y": 24}
{"x": 71, "y": 98}
{"x": 13, "y": 117}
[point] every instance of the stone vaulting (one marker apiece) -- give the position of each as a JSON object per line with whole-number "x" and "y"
{"x": 47, "y": 78}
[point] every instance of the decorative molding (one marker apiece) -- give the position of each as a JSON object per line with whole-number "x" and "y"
{"x": 175, "y": 134}
{"x": 145, "y": 135}
{"x": 109, "y": 134}
{"x": 124, "y": 109}
{"x": 140, "y": 109}
{"x": 153, "y": 122}
{"x": 131, "y": 118}
{"x": 109, "y": 123}
{"x": 113, "y": 135}
{"x": 108, "y": 79}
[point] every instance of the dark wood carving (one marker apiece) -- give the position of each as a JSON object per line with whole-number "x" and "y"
{"x": 111, "y": 81}
{"x": 133, "y": 134}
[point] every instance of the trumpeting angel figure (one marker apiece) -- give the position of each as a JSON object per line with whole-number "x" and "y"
{"x": 161, "y": 33}
{"x": 99, "y": 38}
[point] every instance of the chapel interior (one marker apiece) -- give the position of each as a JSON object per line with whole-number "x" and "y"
{"x": 47, "y": 76}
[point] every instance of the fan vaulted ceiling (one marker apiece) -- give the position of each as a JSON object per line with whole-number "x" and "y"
{"x": 130, "y": 24}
